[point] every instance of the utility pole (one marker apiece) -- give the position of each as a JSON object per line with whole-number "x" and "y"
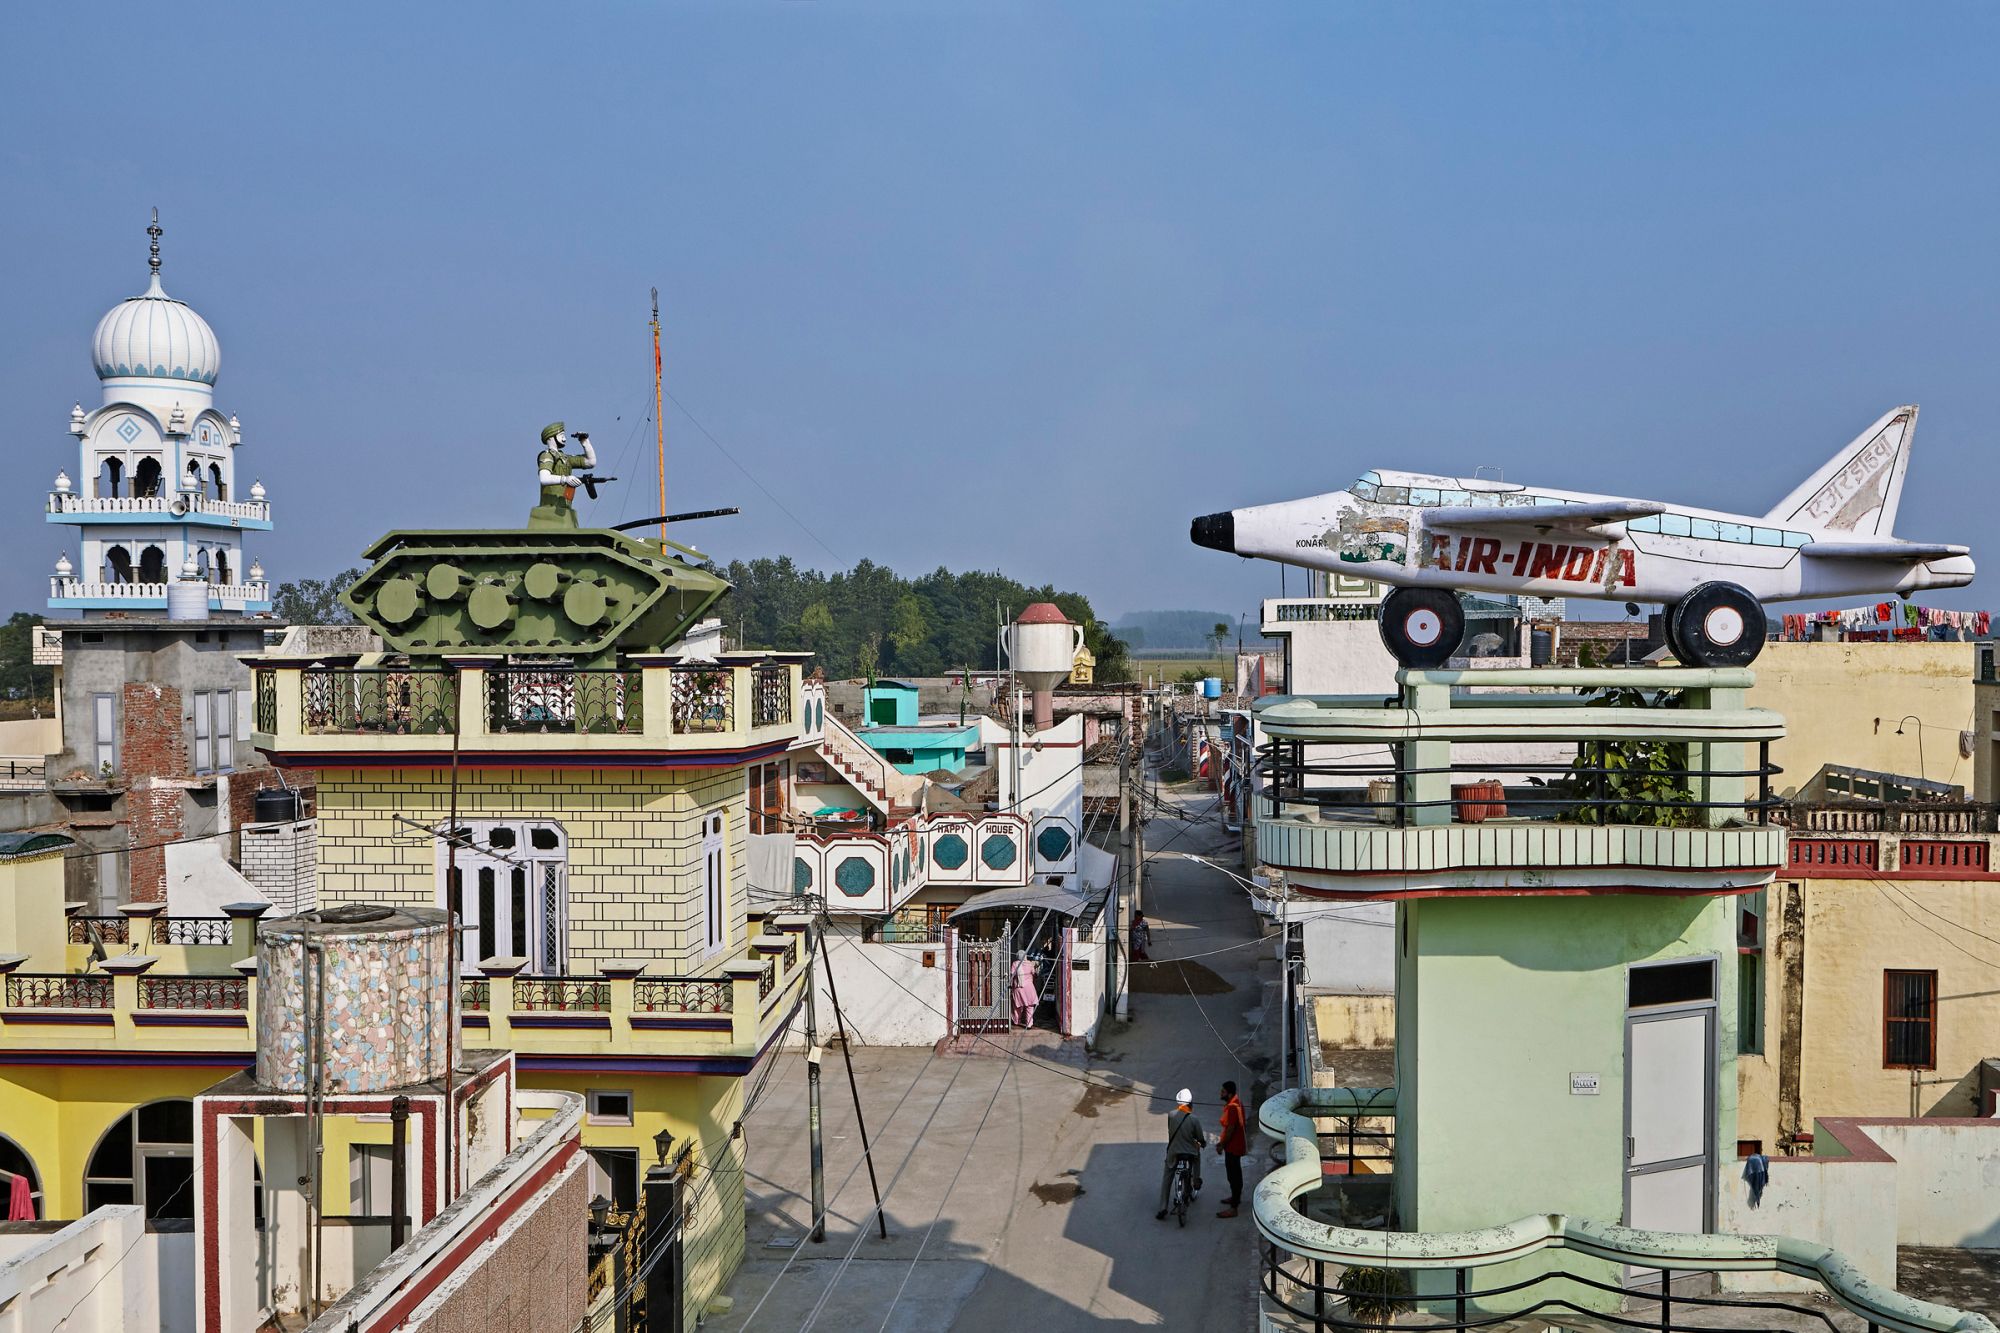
{"x": 1128, "y": 868}
{"x": 659, "y": 421}
{"x": 818, "y": 1232}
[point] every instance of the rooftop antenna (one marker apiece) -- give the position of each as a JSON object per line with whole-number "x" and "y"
{"x": 156, "y": 232}
{"x": 659, "y": 421}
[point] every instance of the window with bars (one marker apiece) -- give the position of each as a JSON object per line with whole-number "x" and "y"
{"x": 1909, "y": 1019}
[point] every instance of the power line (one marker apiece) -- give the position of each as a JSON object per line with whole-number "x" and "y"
{"x": 754, "y": 481}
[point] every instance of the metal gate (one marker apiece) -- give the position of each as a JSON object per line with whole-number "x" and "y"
{"x": 983, "y": 968}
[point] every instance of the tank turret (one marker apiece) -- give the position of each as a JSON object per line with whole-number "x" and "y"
{"x": 585, "y": 593}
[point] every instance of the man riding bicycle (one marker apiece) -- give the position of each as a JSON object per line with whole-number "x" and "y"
{"x": 1185, "y": 1140}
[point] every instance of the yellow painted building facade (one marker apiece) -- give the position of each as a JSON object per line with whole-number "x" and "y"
{"x": 610, "y": 942}
{"x": 1888, "y": 707}
{"x": 1875, "y": 961}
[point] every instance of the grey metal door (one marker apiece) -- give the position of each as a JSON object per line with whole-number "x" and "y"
{"x": 983, "y": 967}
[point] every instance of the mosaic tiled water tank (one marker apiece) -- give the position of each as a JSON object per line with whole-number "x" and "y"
{"x": 389, "y": 982}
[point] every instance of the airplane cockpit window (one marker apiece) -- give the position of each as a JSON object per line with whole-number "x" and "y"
{"x": 1423, "y": 495}
{"x": 1454, "y": 497}
{"x": 1707, "y": 529}
{"x": 1676, "y": 525}
{"x": 1364, "y": 489}
{"x": 1735, "y": 532}
{"x": 1644, "y": 523}
{"x": 1393, "y": 495}
{"x": 1768, "y": 537}
{"x": 1796, "y": 539}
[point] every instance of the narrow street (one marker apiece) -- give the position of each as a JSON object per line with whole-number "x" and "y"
{"x": 1021, "y": 1191}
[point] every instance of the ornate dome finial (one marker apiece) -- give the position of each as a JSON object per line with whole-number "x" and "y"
{"x": 156, "y": 232}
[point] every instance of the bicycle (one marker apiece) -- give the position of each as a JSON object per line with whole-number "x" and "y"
{"x": 1182, "y": 1190}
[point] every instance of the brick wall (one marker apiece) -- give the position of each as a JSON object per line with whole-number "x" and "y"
{"x": 153, "y": 763}
{"x": 634, "y": 847}
{"x": 282, "y": 861}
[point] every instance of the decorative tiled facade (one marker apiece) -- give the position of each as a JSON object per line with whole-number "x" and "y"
{"x": 635, "y": 862}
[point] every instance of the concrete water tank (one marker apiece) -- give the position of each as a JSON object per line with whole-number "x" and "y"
{"x": 389, "y": 978}
{"x": 1041, "y": 646}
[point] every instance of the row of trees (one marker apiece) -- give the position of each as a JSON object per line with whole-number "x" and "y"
{"x": 861, "y": 621}
{"x": 872, "y": 620}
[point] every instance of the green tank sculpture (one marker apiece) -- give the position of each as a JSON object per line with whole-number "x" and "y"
{"x": 551, "y": 589}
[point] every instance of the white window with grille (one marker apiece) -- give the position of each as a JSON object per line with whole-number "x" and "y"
{"x": 714, "y": 884}
{"x": 508, "y": 885}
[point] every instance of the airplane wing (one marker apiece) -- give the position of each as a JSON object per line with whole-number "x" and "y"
{"x": 1913, "y": 552}
{"x": 1588, "y": 514}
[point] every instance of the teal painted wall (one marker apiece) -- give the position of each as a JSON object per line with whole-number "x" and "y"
{"x": 1499, "y": 1000}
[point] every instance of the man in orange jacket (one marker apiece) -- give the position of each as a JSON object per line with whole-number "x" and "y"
{"x": 1233, "y": 1142}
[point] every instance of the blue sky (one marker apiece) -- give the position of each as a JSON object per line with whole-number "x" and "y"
{"x": 1015, "y": 286}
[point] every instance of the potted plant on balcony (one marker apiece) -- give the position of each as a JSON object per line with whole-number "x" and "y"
{"x": 1638, "y": 781}
{"x": 1375, "y": 1295}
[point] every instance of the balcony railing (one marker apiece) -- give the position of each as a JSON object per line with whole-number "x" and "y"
{"x": 194, "y": 992}
{"x": 771, "y": 692}
{"x": 914, "y": 925}
{"x": 191, "y": 930}
{"x": 1349, "y": 1278}
{"x": 475, "y": 994}
{"x": 567, "y": 995}
{"x": 371, "y": 701}
{"x": 683, "y": 995}
{"x": 47, "y": 990}
{"x": 562, "y": 699}
{"x": 267, "y": 701}
{"x": 100, "y": 930}
{"x": 1891, "y": 817}
{"x": 703, "y": 699}
{"x": 221, "y": 596}
{"x": 69, "y": 502}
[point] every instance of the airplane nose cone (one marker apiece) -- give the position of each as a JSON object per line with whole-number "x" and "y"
{"x": 1215, "y": 531}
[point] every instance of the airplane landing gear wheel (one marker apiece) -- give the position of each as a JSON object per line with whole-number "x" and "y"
{"x": 1422, "y": 626}
{"x": 1716, "y": 625}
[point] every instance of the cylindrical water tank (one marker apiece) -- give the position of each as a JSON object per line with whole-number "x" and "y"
{"x": 1541, "y": 647}
{"x": 1211, "y": 687}
{"x": 1042, "y": 644}
{"x": 276, "y": 805}
{"x": 388, "y": 982}
{"x": 187, "y": 599}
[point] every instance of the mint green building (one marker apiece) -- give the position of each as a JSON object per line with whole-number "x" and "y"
{"x": 1564, "y": 1108}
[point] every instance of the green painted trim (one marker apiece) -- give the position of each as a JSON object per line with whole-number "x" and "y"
{"x": 1284, "y": 1226}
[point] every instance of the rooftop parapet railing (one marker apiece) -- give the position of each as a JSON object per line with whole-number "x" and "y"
{"x": 497, "y": 704}
{"x": 1671, "y": 747}
{"x": 1347, "y": 1278}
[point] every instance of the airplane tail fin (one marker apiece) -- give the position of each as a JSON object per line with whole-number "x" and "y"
{"x": 1859, "y": 488}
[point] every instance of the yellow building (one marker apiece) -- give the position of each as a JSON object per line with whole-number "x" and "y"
{"x": 1885, "y": 707}
{"x": 1867, "y": 970}
{"x": 1083, "y": 670}
{"x": 609, "y": 937}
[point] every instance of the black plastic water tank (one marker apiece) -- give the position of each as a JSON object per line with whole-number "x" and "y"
{"x": 1541, "y": 648}
{"x": 276, "y": 805}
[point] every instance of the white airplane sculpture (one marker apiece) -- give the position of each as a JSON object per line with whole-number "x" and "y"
{"x": 1426, "y": 535}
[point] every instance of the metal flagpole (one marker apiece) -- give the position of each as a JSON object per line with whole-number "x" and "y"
{"x": 659, "y": 420}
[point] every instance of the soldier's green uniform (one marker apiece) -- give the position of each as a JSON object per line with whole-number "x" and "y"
{"x": 557, "y": 506}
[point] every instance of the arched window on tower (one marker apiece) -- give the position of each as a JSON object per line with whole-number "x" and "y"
{"x": 194, "y": 482}
{"x": 146, "y": 478}
{"x": 215, "y": 478}
{"x": 117, "y": 565}
{"x": 222, "y": 568}
{"x": 152, "y": 565}
{"x": 201, "y": 562}
{"x": 109, "y": 474}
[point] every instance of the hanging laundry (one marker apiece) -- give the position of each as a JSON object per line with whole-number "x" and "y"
{"x": 1756, "y": 1174}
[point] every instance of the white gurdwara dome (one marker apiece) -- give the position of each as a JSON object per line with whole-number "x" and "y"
{"x": 155, "y": 337}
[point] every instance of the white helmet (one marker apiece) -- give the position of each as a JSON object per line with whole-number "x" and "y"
{"x": 1184, "y": 1097}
